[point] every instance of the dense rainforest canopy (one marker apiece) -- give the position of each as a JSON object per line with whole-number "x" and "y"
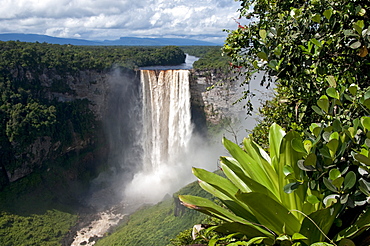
{"x": 25, "y": 111}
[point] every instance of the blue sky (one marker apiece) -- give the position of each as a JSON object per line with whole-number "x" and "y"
{"x": 111, "y": 19}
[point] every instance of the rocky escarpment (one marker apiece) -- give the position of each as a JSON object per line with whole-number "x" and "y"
{"x": 106, "y": 92}
{"x": 214, "y": 95}
{"x": 88, "y": 87}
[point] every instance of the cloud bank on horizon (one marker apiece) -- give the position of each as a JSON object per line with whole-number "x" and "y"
{"x": 111, "y": 19}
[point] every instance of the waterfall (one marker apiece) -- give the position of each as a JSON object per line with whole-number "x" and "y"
{"x": 166, "y": 133}
{"x": 166, "y": 114}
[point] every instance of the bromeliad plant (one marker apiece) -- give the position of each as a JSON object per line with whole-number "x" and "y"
{"x": 257, "y": 190}
{"x": 270, "y": 198}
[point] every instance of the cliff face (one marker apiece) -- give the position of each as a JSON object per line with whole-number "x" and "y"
{"x": 104, "y": 91}
{"x": 213, "y": 96}
{"x": 94, "y": 87}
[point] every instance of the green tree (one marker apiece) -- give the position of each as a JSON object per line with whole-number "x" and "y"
{"x": 306, "y": 47}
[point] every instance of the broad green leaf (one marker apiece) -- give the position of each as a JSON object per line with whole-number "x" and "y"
{"x": 317, "y": 110}
{"x": 329, "y": 185}
{"x": 276, "y": 135}
{"x": 262, "y": 159}
{"x": 315, "y": 42}
{"x": 223, "y": 189}
{"x": 334, "y": 174}
{"x": 274, "y": 65}
{"x": 328, "y": 13}
{"x": 227, "y": 228}
{"x": 248, "y": 164}
{"x": 333, "y": 145}
{"x": 323, "y": 103}
{"x": 223, "y": 184}
{"x": 312, "y": 199}
{"x": 365, "y": 121}
{"x": 298, "y": 145}
{"x": 245, "y": 184}
{"x": 331, "y": 80}
{"x": 307, "y": 144}
{"x": 332, "y": 92}
{"x": 316, "y": 18}
{"x": 323, "y": 219}
{"x": 263, "y": 34}
{"x": 366, "y": 103}
{"x": 321, "y": 244}
{"x": 310, "y": 160}
{"x": 330, "y": 200}
{"x": 298, "y": 236}
{"x": 303, "y": 167}
{"x": 262, "y": 55}
{"x": 346, "y": 242}
{"x": 364, "y": 186}
{"x": 207, "y": 207}
{"x": 353, "y": 89}
{"x": 271, "y": 213}
{"x": 337, "y": 125}
{"x": 358, "y": 26}
{"x": 349, "y": 180}
{"x": 363, "y": 159}
{"x": 338, "y": 182}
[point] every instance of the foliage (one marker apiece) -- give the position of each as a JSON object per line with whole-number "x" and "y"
{"x": 46, "y": 229}
{"x": 302, "y": 45}
{"x": 272, "y": 199}
{"x": 317, "y": 53}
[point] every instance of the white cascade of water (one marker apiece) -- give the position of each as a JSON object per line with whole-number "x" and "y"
{"x": 166, "y": 116}
{"x": 167, "y": 130}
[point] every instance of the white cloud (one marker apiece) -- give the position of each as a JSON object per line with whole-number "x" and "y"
{"x": 111, "y": 19}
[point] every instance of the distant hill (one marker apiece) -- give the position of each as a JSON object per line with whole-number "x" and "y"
{"x": 127, "y": 41}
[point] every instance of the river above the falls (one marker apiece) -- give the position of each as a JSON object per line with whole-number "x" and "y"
{"x": 189, "y": 60}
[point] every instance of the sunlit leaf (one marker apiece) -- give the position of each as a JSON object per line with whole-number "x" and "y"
{"x": 331, "y": 80}
{"x": 365, "y": 121}
{"x": 301, "y": 165}
{"x": 316, "y": 18}
{"x": 338, "y": 182}
{"x": 298, "y": 236}
{"x": 332, "y": 92}
{"x": 353, "y": 89}
{"x": 270, "y": 213}
{"x": 307, "y": 144}
{"x": 312, "y": 199}
{"x": 334, "y": 174}
{"x": 328, "y": 13}
{"x": 263, "y": 34}
{"x": 323, "y": 103}
{"x": 298, "y": 145}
